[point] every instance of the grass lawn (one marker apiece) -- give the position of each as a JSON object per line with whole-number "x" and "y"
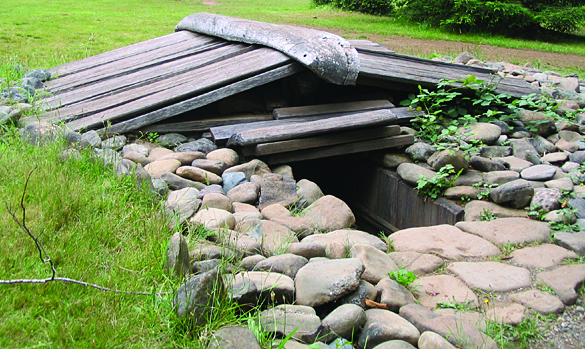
{"x": 46, "y": 33}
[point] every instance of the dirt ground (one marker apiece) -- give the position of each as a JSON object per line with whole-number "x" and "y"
{"x": 408, "y": 45}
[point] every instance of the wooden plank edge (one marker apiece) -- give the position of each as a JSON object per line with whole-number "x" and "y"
{"x": 204, "y": 99}
{"x": 334, "y": 138}
{"x": 349, "y": 148}
{"x": 323, "y": 109}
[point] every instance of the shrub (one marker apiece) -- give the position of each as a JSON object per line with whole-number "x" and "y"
{"x": 505, "y": 17}
{"x": 374, "y": 7}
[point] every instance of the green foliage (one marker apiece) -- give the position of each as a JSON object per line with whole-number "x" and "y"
{"x": 403, "y": 277}
{"x": 435, "y": 187}
{"x": 468, "y": 306}
{"x": 486, "y": 216}
{"x": 519, "y": 336}
{"x": 373, "y": 7}
{"x": 503, "y": 17}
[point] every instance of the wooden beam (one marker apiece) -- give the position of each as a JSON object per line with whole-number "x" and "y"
{"x": 122, "y": 52}
{"x": 204, "y": 99}
{"x": 333, "y": 108}
{"x": 342, "y": 149}
{"x": 380, "y": 117}
{"x": 321, "y": 141}
{"x": 200, "y": 125}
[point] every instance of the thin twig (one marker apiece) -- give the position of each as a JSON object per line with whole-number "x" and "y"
{"x": 44, "y": 256}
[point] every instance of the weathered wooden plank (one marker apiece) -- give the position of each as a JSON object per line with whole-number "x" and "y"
{"x": 370, "y": 46}
{"x": 142, "y": 77}
{"x": 380, "y": 117}
{"x": 341, "y": 149}
{"x": 206, "y": 98}
{"x": 200, "y": 125}
{"x": 133, "y": 63}
{"x": 414, "y": 71}
{"x": 333, "y": 108}
{"x": 169, "y": 91}
{"x": 120, "y": 53}
{"x": 221, "y": 134}
{"x": 321, "y": 141}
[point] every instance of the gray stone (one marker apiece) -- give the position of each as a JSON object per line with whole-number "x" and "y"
{"x": 298, "y": 321}
{"x": 199, "y": 267}
{"x": 347, "y": 238}
{"x": 274, "y": 287}
{"x": 233, "y": 337}
{"x": 560, "y": 184}
{"x": 228, "y": 156}
{"x": 506, "y": 313}
{"x": 543, "y": 256}
{"x": 207, "y": 189}
{"x": 463, "y": 58}
{"x": 517, "y": 193}
{"x": 444, "y": 288}
{"x": 444, "y": 240}
{"x": 109, "y": 157}
{"x": 578, "y": 204}
{"x": 275, "y": 238}
{"x": 186, "y": 158}
{"x": 177, "y": 182}
{"x": 239, "y": 242}
{"x": 358, "y": 297}
{"x": 395, "y": 344}
{"x": 377, "y": 263}
{"x": 495, "y": 151}
{"x": 564, "y": 281}
{"x": 544, "y": 125}
{"x": 308, "y": 192}
{"x": 555, "y": 157}
{"x": 287, "y": 264}
{"x": 420, "y": 151}
{"x": 468, "y": 178}
{"x": 457, "y": 333}
{"x": 158, "y": 152}
{"x": 212, "y": 166}
{"x": 330, "y": 213}
{"x": 277, "y": 189}
{"x": 217, "y": 200}
{"x": 483, "y": 132}
{"x": 246, "y": 193}
{"x": 249, "y": 262}
{"x": 522, "y": 149}
{"x": 320, "y": 282}
{"x": 516, "y": 164}
{"x": 213, "y": 218}
{"x": 491, "y": 276}
{"x": 547, "y": 199}
{"x": 194, "y": 299}
{"x": 513, "y": 230}
{"x": 345, "y": 321}
{"x": 432, "y": 340}
{"x": 157, "y": 168}
{"x": 539, "y": 173}
{"x": 572, "y": 241}
{"x": 171, "y": 139}
{"x": 418, "y": 263}
{"x": 578, "y": 157}
{"x": 90, "y": 139}
{"x": 411, "y": 173}
{"x": 232, "y": 180}
{"x": 285, "y": 171}
{"x": 197, "y": 174}
{"x": 500, "y": 177}
{"x": 461, "y": 193}
{"x": 178, "y": 256}
{"x": 201, "y": 145}
{"x": 563, "y": 145}
{"x": 456, "y": 158}
{"x": 543, "y": 302}
{"x": 382, "y": 325}
{"x": 542, "y": 145}
{"x": 486, "y": 165}
{"x": 307, "y": 249}
{"x": 253, "y": 167}
{"x": 39, "y": 132}
{"x": 475, "y": 210}
{"x": 393, "y": 295}
{"x": 390, "y": 160}
{"x": 115, "y": 142}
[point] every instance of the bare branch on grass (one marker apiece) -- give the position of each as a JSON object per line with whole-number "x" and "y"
{"x": 44, "y": 256}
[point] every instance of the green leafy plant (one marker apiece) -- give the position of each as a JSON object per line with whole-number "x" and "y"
{"x": 487, "y": 215}
{"x": 484, "y": 189}
{"x": 435, "y": 187}
{"x": 403, "y": 277}
{"x": 467, "y": 306}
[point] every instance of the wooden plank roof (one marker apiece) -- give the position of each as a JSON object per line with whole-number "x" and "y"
{"x": 135, "y": 86}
